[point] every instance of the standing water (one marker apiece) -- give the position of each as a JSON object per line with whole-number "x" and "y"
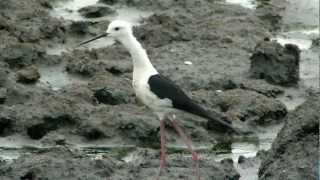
{"x": 250, "y": 4}
{"x": 301, "y": 27}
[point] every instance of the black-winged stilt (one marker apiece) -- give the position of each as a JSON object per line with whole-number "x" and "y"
{"x": 158, "y": 93}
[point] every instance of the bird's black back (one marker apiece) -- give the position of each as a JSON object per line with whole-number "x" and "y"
{"x": 165, "y": 88}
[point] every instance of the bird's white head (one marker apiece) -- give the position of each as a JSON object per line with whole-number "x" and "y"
{"x": 118, "y": 30}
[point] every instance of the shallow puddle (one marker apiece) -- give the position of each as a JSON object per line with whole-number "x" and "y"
{"x": 69, "y": 11}
{"x": 292, "y": 98}
{"x": 309, "y": 65}
{"x": 57, "y": 49}
{"x": 249, "y": 146}
{"x": 302, "y": 38}
{"x": 250, "y": 4}
{"x": 56, "y": 77}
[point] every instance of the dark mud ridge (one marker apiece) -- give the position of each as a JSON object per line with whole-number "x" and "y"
{"x": 70, "y": 113}
{"x": 294, "y": 154}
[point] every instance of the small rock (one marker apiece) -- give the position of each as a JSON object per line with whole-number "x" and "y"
{"x": 241, "y": 159}
{"x": 111, "y": 97}
{"x": 30, "y": 175}
{"x": 227, "y": 40}
{"x": 46, "y": 4}
{"x": 228, "y": 167}
{"x": 3, "y": 77}
{"x": 3, "y": 23}
{"x": 79, "y": 27}
{"x": 262, "y": 87}
{"x": 3, "y": 95}
{"x": 39, "y": 130}
{"x": 93, "y": 133}
{"x": 95, "y": 11}
{"x": 28, "y": 75}
{"x": 5, "y": 124}
{"x": 144, "y": 133}
{"x": 2, "y": 161}
{"x": 316, "y": 42}
{"x": 276, "y": 64}
{"x": 109, "y": 2}
{"x": 53, "y": 139}
{"x": 61, "y": 141}
{"x": 227, "y": 161}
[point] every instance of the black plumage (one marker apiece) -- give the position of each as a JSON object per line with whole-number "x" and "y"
{"x": 165, "y": 88}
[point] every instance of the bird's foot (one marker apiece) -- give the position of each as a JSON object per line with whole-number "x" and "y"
{"x": 161, "y": 169}
{"x": 195, "y": 159}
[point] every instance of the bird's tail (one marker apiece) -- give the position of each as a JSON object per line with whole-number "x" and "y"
{"x": 216, "y": 120}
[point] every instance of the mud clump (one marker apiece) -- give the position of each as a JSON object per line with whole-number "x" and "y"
{"x": 79, "y": 27}
{"x": 3, "y": 95}
{"x": 163, "y": 31}
{"x": 92, "y": 132}
{"x": 294, "y": 154}
{"x": 21, "y": 54}
{"x": 262, "y": 87}
{"x": 93, "y": 63}
{"x": 37, "y": 131}
{"x": 112, "y": 97}
{"x": 5, "y": 124}
{"x": 3, "y": 76}
{"x": 58, "y": 163}
{"x": 95, "y": 11}
{"x": 109, "y": 2}
{"x": 276, "y": 64}
{"x": 316, "y": 42}
{"x": 28, "y": 75}
{"x": 245, "y": 105}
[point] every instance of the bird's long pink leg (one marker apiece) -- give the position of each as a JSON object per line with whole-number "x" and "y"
{"x": 187, "y": 140}
{"x": 163, "y": 161}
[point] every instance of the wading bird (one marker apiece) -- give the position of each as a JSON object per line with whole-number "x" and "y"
{"x": 158, "y": 93}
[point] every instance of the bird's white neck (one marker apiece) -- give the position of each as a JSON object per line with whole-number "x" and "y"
{"x": 141, "y": 62}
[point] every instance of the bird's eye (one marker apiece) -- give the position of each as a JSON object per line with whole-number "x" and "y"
{"x": 116, "y": 28}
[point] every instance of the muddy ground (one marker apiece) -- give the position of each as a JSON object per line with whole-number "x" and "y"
{"x": 75, "y": 114}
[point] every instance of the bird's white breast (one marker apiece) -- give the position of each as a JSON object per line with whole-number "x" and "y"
{"x": 144, "y": 94}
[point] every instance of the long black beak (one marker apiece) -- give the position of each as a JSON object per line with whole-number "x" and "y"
{"x": 95, "y": 38}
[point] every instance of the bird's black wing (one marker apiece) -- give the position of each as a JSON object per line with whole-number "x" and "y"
{"x": 165, "y": 88}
